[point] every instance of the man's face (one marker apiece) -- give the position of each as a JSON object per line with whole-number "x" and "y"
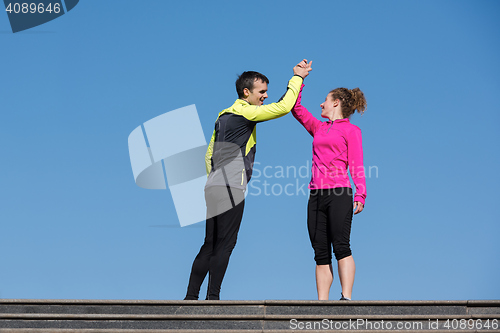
{"x": 258, "y": 93}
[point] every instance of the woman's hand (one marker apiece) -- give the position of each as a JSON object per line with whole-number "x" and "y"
{"x": 358, "y": 207}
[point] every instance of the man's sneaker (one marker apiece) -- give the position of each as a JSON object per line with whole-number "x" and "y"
{"x": 343, "y": 298}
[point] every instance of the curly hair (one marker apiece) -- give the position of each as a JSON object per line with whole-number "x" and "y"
{"x": 350, "y": 100}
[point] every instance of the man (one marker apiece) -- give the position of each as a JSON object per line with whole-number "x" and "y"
{"x": 229, "y": 161}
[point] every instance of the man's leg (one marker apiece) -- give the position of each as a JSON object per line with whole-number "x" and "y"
{"x": 227, "y": 227}
{"x": 202, "y": 261}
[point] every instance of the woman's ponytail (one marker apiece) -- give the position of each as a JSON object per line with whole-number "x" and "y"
{"x": 350, "y": 99}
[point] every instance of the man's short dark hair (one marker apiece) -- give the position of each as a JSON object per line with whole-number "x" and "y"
{"x": 247, "y": 79}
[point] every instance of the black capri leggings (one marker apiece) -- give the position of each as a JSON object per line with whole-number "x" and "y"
{"x": 329, "y": 217}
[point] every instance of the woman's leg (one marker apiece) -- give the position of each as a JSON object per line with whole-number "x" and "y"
{"x": 324, "y": 279}
{"x": 318, "y": 234}
{"x": 347, "y": 269}
{"x": 339, "y": 223}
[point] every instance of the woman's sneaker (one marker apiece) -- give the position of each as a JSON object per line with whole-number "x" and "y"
{"x": 343, "y": 298}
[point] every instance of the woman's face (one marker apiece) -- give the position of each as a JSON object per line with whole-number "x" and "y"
{"x": 327, "y": 107}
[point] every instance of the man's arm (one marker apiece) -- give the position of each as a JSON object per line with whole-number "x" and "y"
{"x": 285, "y": 105}
{"x": 208, "y": 155}
{"x": 274, "y": 110}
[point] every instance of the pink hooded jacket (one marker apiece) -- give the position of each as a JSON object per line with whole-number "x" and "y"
{"x": 336, "y": 147}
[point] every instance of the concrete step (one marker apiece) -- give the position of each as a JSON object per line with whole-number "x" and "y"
{"x": 246, "y": 316}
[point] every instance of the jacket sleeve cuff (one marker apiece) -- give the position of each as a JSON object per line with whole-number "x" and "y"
{"x": 360, "y": 199}
{"x": 295, "y": 83}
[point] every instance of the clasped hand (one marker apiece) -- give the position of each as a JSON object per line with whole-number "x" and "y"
{"x": 302, "y": 68}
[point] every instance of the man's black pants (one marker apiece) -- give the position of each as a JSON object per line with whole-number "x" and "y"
{"x": 224, "y": 214}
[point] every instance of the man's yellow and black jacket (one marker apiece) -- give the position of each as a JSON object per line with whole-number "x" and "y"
{"x": 231, "y": 152}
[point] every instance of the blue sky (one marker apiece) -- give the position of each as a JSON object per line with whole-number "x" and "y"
{"x": 75, "y": 225}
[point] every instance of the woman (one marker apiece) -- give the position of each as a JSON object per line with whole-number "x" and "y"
{"x": 336, "y": 147}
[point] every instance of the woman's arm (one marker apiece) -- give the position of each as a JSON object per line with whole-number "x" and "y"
{"x": 356, "y": 168}
{"x": 304, "y": 117}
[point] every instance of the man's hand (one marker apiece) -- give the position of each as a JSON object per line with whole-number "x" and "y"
{"x": 358, "y": 207}
{"x": 303, "y": 68}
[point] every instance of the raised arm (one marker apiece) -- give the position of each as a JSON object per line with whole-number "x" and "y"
{"x": 304, "y": 117}
{"x": 274, "y": 110}
{"x": 284, "y": 106}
